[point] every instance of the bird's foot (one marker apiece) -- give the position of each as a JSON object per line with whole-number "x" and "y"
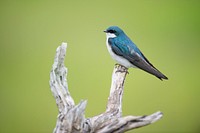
{"x": 121, "y": 68}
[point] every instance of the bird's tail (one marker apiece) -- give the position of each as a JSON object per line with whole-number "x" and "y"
{"x": 148, "y": 67}
{"x": 159, "y": 75}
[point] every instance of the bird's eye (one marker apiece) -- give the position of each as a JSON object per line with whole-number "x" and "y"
{"x": 111, "y": 31}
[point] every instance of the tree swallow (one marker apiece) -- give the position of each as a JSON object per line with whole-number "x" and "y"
{"x": 126, "y": 53}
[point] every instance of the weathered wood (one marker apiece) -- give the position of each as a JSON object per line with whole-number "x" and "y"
{"x": 71, "y": 117}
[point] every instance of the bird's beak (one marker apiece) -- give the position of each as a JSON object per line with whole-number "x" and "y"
{"x": 105, "y": 31}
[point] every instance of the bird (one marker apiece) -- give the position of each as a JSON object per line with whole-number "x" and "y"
{"x": 126, "y": 53}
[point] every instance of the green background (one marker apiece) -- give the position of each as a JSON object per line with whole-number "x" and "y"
{"x": 168, "y": 33}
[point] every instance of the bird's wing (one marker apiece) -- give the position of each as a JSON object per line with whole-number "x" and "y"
{"x": 118, "y": 48}
{"x": 135, "y": 58}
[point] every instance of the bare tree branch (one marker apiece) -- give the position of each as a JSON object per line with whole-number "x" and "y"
{"x": 71, "y": 117}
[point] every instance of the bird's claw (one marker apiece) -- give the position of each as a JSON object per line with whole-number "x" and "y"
{"x": 123, "y": 68}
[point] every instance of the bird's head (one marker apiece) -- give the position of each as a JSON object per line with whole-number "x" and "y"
{"x": 113, "y": 31}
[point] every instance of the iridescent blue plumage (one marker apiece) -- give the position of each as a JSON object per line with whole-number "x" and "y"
{"x": 126, "y": 53}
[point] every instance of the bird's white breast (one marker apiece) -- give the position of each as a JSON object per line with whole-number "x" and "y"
{"x": 117, "y": 58}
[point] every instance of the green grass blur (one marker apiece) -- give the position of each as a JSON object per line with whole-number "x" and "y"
{"x": 168, "y": 33}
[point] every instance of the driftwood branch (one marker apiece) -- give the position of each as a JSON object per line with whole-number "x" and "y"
{"x": 71, "y": 117}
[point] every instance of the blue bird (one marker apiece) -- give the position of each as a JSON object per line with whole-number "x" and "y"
{"x": 126, "y": 53}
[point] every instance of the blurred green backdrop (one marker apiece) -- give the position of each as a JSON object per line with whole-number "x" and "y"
{"x": 168, "y": 33}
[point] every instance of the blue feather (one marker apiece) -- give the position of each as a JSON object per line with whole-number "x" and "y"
{"x": 124, "y": 51}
